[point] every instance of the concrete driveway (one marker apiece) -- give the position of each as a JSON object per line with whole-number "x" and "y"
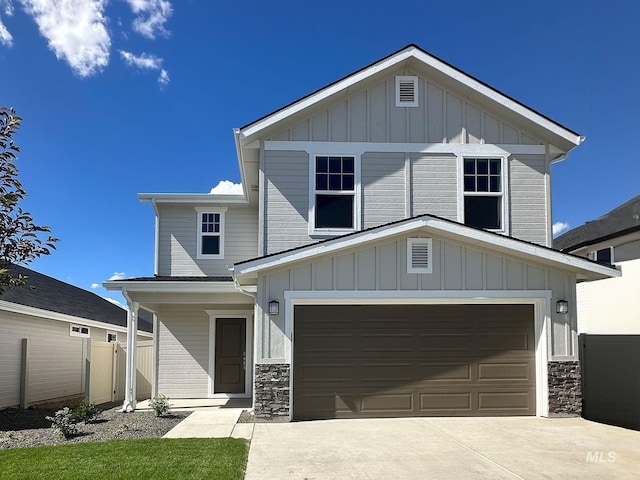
{"x": 443, "y": 448}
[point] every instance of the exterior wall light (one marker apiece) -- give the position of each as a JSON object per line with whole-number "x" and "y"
{"x": 274, "y": 307}
{"x": 562, "y": 306}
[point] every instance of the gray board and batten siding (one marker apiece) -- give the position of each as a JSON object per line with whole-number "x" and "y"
{"x": 394, "y": 187}
{"x": 177, "y": 239}
{"x": 383, "y": 267}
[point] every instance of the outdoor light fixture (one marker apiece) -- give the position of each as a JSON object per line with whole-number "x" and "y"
{"x": 274, "y": 307}
{"x": 562, "y": 306}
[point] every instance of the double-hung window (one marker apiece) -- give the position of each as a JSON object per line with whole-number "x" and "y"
{"x": 334, "y": 202}
{"x": 210, "y": 233}
{"x": 483, "y": 192}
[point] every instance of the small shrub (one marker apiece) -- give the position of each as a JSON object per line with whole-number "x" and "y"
{"x": 160, "y": 405}
{"x": 86, "y": 412}
{"x": 63, "y": 423}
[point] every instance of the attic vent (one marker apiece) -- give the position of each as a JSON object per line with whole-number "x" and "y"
{"x": 406, "y": 91}
{"x": 419, "y": 256}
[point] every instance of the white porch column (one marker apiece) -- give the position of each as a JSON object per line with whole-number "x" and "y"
{"x": 132, "y": 342}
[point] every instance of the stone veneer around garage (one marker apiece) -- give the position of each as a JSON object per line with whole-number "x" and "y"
{"x": 271, "y": 390}
{"x": 565, "y": 389}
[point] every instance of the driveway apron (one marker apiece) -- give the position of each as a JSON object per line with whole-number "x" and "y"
{"x": 443, "y": 448}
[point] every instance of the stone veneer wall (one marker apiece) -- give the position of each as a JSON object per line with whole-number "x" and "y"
{"x": 271, "y": 390}
{"x": 565, "y": 388}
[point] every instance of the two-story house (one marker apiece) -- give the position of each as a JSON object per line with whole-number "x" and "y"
{"x": 389, "y": 256}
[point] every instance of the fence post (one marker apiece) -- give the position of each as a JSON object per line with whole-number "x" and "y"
{"x": 24, "y": 375}
{"x": 87, "y": 372}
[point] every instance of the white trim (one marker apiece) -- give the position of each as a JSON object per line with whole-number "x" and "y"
{"x": 416, "y": 94}
{"x": 479, "y": 238}
{"x": 420, "y": 55}
{"x": 503, "y": 194}
{"x": 247, "y": 315}
{"x": 172, "y": 286}
{"x": 540, "y": 299}
{"x": 357, "y": 203}
{"x": 193, "y": 198}
{"x": 359, "y": 148}
{"x": 62, "y": 317}
{"x": 220, "y": 234}
{"x": 79, "y": 333}
{"x": 424, "y": 241}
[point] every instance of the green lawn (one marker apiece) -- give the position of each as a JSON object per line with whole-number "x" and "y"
{"x": 219, "y": 458}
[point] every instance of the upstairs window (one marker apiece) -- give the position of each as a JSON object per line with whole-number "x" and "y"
{"x": 604, "y": 255}
{"x": 334, "y": 202}
{"x": 483, "y": 193}
{"x": 112, "y": 337}
{"x": 79, "y": 331}
{"x": 210, "y": 234}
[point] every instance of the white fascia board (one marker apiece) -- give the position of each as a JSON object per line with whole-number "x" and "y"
{"x": 171, "y": 286}
{"x": 325, "y": 93}
{"x": 62, "y": 317}
{"x": 499, "y": 98}
{"x": 476, "y": 237}
{"x": 202, "y": 198}
{"x": 359, "y": 148}
{"x": 243, "y": 176}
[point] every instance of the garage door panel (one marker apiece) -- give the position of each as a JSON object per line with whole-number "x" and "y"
{"x": 413, "y": 361}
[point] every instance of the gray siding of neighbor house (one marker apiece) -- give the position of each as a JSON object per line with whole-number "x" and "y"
{"x": 56, "y": 359}
{"x": 369, "y": 114}
{"x": 177, "y": 240}
{"x": 627, "y": 251}
{"x": 382, "y": 267}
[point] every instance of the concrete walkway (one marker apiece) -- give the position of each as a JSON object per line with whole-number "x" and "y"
{"x": 444, "y": 448}
{"x": 210, "y": 419}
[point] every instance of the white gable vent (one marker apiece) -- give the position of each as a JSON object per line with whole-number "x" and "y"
{"x": 406, "y": 91}
{"x": 419, "y": 255}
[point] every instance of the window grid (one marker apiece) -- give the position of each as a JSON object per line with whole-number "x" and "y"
{"x": 335, "y": 174}
{"x": 210, "y": 223}
{"x": 483, "y": 176}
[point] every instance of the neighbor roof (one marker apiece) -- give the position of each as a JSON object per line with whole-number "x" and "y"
{"x": 47, "y": 293}
{"x": 620, "y": 221}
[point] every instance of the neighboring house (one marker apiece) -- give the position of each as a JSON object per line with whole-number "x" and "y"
{"x": 613, "y": 238}
{"x": 609, "y": 315}
{"x": 389, "y": 256}
{"x": 56, "y": 319}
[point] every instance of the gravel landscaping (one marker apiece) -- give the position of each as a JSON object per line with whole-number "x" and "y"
{"x": 29, "y": 428}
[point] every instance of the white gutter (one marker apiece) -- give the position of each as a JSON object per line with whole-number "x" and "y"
{"x": 205, "y": 198}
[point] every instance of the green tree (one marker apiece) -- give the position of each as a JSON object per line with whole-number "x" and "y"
{"x": 21, "y": 241}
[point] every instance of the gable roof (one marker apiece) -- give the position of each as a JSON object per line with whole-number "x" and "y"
{"x": 585, "y": 269}
{"x": 620, "y": 221}
{"x": 47, "y": 293}
{"x": 566, "y": 138}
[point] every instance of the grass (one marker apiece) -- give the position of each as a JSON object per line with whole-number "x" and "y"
{"x": 219, "y": 458}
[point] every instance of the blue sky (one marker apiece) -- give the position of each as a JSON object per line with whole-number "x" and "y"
{"x": 142, "y": 96}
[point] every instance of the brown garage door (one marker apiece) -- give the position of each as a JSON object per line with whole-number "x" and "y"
{"x": 413, "y": 360}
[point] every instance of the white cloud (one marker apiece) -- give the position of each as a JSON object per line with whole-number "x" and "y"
{"x": 6, "y": 38}
{"x": 95, "y": 285}
{"x": 226, "y": 187}
{"x": 151, "y": 16}
{"x": 146, "y": 61}
{"x": 117, "y": 276}
{"x": 76, "y": 31}
{"x": 559, "y": 227}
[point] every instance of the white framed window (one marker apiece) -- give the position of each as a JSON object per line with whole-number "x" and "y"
{"x": 406, "y": 91}
{"x": 334, "y": 186}
{"x": 79, "y": 331}
{"x": 210, "y": 233}
{"x": 603, "y": 255}
{"x": 419, "y": 255}
{"x": 112, "y": 337}
{"x": 484, "y": 203}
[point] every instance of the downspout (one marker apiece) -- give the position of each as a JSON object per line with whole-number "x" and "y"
{"x": 236, "y": 283}
{"x": 129, "y": 404}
